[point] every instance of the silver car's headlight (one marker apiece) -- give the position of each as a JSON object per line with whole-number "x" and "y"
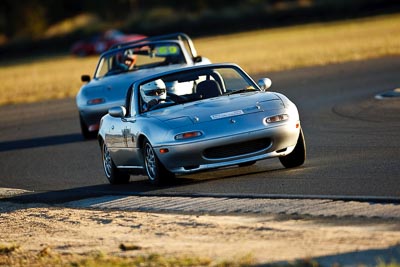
{"x": 188, "y": 135}
{"x": 277, "y": 118}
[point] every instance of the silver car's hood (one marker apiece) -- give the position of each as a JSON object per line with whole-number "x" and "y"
{"x": 217, "y": 108}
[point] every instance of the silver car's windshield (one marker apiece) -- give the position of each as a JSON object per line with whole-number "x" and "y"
{"x": 149, "y": 55}
{"x": 193, "y": 85}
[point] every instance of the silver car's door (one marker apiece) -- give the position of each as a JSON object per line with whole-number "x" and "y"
{"x": 128, "y": 154}
{"x": 113, "y": 136}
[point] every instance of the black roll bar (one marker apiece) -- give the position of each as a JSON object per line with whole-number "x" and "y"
{"x": 178, "y": 36}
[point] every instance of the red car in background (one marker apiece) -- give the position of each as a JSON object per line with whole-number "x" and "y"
{"x": 102, "y": 42}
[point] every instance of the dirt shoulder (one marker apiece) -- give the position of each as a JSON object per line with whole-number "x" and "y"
{"x": 260, "y": 239}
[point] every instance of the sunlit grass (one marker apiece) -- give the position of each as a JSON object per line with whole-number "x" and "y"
{"x": 306, "y": 45}
{"x": 48, "y": 257}
{"x": 99, "y": 259}
{"x": 7, "y": 249}
{"x": 260, "y": 51}
{"x": 52, "y": 78}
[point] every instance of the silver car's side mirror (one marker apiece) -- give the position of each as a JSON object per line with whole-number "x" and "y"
{"x": 85, "y": 78}
{"x": 264, "y": 83}
{"x": 117, "y": 112}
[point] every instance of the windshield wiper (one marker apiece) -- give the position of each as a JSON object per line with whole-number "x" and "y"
{"x": 245, "y": 90}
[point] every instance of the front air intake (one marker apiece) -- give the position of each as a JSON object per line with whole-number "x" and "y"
{"x": 237, "y": 149}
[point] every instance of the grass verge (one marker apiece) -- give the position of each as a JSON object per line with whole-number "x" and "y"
{"x": 47, "y": 257}
{"x": 260, "y": 51}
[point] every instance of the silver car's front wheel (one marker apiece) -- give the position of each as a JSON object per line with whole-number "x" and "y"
{"x": 107, "y": 162}
{"x": 150, "y": 162}
{"x": 112, "y": 173}
{"x": 298, "y": 155}
{"x": 155, "y": 171}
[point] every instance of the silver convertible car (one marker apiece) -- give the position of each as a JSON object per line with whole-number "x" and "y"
{"x": 122, "y": 64}
{"x": 198, "y": 118}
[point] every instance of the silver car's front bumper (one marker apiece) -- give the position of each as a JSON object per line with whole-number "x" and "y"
{"x": 193, "y": 157}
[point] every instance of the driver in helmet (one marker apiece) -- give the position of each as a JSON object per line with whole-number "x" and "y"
{"x": 128, "y": 62}
{"x": 153, "y": 93}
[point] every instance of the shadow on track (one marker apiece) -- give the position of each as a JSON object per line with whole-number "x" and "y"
{"x": 138, "y": 186}
{"x": 369, "y": 257}
{"x": 40, "y": 142}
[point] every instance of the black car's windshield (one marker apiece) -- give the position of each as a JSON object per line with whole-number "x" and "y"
{"x": 143, "y": 56}
{"x": 194, "y": 85}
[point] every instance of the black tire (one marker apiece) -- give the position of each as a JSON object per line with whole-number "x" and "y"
{"x": 298, "y": 156}
{"x": 112, "y": 173}
{"x": 85, "y": 130}
{"x": 155, "y": 170}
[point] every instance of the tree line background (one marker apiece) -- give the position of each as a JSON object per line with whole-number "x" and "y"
{"x": 53, "y": 25}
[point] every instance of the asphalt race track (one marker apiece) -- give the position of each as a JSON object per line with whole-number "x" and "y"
{"x": 353, "y": 144}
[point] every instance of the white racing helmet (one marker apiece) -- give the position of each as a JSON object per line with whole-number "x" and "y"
{"x": 153, "y": 90}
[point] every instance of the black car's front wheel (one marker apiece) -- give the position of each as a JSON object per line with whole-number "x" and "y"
{"x": 155, "y": 170}
{"x": 113, "y": 175}
{"x": 298, "y": 156}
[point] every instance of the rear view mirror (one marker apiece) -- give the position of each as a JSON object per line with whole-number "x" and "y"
{"x": 197, "y": 59}
{"x": 117, "y": 112}
{"x": 264, "y": 83}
